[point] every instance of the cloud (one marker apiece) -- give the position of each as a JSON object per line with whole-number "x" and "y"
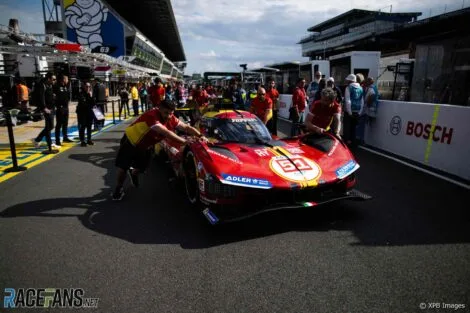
{"x": 210, "y": 54}
{"x": 267, "y": 31}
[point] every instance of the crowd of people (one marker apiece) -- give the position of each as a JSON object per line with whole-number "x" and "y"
{"x": 325, "y": 104}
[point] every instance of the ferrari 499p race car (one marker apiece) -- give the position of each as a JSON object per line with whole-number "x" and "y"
{"x": 243, "y": 171}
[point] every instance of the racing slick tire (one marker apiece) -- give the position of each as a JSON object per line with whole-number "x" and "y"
{"x": 190, "y": 178}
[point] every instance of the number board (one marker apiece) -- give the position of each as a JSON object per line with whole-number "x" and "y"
{"x": 295, "y": 168}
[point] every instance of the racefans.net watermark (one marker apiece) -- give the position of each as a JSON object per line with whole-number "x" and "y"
{"x": 441, "y": 305}
{"x": 54, "y": 298}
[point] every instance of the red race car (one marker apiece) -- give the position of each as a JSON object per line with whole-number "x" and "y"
{"x": 243, "y": 171}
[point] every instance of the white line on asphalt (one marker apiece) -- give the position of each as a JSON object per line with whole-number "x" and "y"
{"x": 418, "y": 168}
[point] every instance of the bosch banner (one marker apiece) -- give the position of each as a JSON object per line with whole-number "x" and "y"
{"x": 432, "y": 134}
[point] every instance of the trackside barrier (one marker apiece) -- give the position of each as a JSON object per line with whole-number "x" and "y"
{"x": 435, "y": 135}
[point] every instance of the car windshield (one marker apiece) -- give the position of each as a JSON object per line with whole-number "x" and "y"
{"x": 243, "y": 130}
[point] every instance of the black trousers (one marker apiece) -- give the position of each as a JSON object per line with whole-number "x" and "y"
{"x": 145, "y": 104}
{"x": 135, "y": 106}
{"x": 46, "y": 132}
{"x": 85, "y": 122}
{"x": 124, "y": 104}
{"x": 272, "y": 123}
{"x": 62, "y": 122}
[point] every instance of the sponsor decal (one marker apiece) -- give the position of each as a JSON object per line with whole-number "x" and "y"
{"x": 437, "y": 133}
{"x": 200, "y": 167}
{"x": 241, "y": 120}
{"x": 201, "y": 184}
{"x": 295, "y": 168}
{"x": 246, "y": 181}
{"x": 294, "y": 150}
{"x": 223, "y": 156}
{"x": 395, "y": 125}
{"x": 262, "y": 152}
{"x": 347, "y": 169}
{"x": 309, "y": 204}
{"x": 210, "y": 216}
{"x": 427, "y": 131}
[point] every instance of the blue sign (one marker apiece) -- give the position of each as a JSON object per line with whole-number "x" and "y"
{"x": 347, "y": 169}
{"x": 90, "y": 24}
{"x": 246, "y": 181}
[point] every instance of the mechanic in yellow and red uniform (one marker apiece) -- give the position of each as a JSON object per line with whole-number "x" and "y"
{"x": 141, "y": 136}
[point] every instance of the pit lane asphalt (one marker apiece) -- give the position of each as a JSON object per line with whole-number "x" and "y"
{"x": 151, "y": 253}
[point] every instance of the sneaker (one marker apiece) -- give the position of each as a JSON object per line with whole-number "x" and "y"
{"x": 57, "y": 143}
{"x": 55, "y": 147}
{"x": 67, "y": 140}
{"x": 83, "y": 144}
{"x": 118, "y": 194}
{"x": 91, "y": 143}
{"x": 36, "y": 144}
{"x": 134, "y": 178}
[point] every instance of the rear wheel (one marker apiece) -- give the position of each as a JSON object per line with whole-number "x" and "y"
{"x": 190, "y": 178}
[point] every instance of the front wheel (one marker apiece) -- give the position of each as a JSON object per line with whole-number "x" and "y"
{"x": 190, "y": 178}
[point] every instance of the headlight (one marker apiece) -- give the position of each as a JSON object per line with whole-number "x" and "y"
{"x": 216, "y": 188}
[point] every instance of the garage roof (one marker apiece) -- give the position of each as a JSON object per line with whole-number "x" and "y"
{"x": 156, "y": 20}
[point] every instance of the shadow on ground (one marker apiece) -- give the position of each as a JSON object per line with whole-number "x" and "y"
{"x": 402, "y": 213}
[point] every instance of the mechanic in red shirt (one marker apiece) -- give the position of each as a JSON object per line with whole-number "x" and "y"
{"x": 273, "y": 94}
{"x": 299, "y": 102}
{"x": 140, "y": 138}
{"x": 262, "y": 106}
{"x": 323, "y": 112}
{"x": 157, "y": 93}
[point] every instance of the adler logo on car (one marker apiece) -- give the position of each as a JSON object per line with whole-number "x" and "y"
{"x": 347, "y": 169}
{"x": 246, "y": 181}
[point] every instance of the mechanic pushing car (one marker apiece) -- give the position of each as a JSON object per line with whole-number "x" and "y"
{"x": 141, "y": 136}
{"x": 323, "y": 112}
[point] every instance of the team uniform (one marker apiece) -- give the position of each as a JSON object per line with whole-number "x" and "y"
{"x": 140, "y": 137}
{"x": 323, "y": 115}
{"x": 260, "y": 107}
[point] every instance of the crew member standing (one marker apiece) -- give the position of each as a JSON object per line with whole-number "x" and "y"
{"x": 100, "y": 98}
{"x": 273, "y": 94}
{"x": 299, "y": 103}
{"x": 62, "y": 93}
{"x": 46, "y": 105}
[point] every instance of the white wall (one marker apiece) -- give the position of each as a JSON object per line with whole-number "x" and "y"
{"x": 402, "y": 128}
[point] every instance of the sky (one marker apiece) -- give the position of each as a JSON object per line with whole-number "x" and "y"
{"x": 219, "y": 35}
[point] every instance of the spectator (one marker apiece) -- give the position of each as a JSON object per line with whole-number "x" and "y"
{"x": 314, "y": 85}
{"x": 321, "y": 86}
{"x": 354, "y": 108}
{"x": 46, "y": 105}
{"x": 85, "y": 115}
{"x": 62, "y": 93}
{"x": 135, "y": 99}
{"x": 100, "y": 97}
{"x": 330, "y": 83}
{"x": 124, "y": 95}
{"x": 240, "y": 97}
{"x": 143, "y": 93}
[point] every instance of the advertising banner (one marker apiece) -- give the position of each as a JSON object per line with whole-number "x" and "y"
{"x": 285, "y": 102}
{"x": 432, "y": 134}
{"x": 90, "y": 24}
